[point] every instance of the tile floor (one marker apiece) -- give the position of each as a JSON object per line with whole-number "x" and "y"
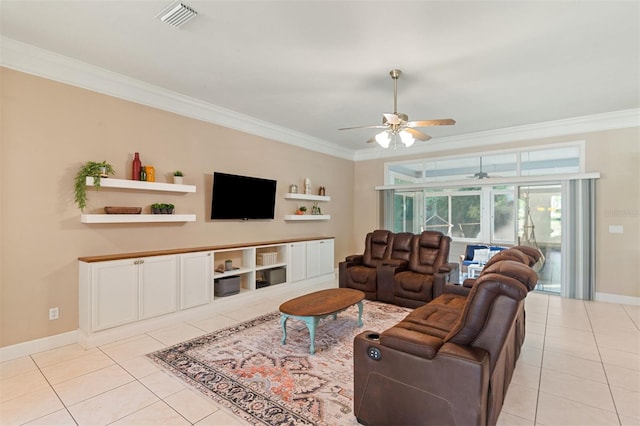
{"x": 580, "y": 365}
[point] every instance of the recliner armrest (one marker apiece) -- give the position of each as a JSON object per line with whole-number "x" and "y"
{"x": 356, "y": 259}
{"x": 398, "y": 263}
{"x": 385, "y": 274}
{"x": 470, "y": 353}
{"x": 411, "y": 341}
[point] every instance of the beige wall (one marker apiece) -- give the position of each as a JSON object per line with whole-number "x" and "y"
{"x": 615, "y": 154}
{"x": 50, "y": 129}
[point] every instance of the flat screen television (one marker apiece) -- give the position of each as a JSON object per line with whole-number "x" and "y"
{"x": 242, "y": 197}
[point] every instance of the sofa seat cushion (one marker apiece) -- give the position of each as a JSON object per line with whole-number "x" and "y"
{"x": 451, "y": 301}
{"x": 362, "y": 278}
{"x": 436, "y": 320}
{"x": 412, "y": 286}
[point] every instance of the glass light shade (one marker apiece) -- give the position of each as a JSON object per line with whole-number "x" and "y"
{"x": 383, "y": 139}
{"x": 407, "y": 138}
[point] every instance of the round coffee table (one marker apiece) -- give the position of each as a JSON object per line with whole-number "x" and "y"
{"x": 312, "y": 307}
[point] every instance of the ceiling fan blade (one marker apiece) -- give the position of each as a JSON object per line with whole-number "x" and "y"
{"x": 379, "y": 126}
{"x": 426, "y": 123}
{"x": 418, "y": 134}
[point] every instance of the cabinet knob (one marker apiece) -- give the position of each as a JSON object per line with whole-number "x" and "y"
{"x": 141, "y": 260}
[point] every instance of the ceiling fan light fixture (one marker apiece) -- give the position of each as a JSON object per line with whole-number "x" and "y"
{"x": 406, "y": 138}
{"x": 383, "y": 139}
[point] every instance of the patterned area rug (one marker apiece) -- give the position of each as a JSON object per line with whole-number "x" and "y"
{"x": 246, "y": 369}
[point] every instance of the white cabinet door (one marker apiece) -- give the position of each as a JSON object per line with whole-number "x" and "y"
{"x": 196, "y": 279}
{"x": 297, "y": 263}
{"x": 319, "y": 257}
{"x": 158, "y": 285}
{"x": 114, "y": 293}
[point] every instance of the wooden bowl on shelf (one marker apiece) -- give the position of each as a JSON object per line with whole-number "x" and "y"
{"x": 122, "y": 210}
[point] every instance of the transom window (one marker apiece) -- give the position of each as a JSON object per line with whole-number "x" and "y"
{"x": 553, "y": 160}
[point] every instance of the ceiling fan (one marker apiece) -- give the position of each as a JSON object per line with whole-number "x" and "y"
{"x": 397, "y": 124}
{"x": 480, "y": 174}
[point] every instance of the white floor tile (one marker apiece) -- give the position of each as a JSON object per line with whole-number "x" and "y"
{"x": 90, "y": 361}
{"x": 192, "y": 405}
{"x": 113, "y": 405}
{"x": 28, "y": 407}
{"x": 179, "y": 333}
{"x": 16, "y": 366}
{"x": 554, "y": 410}
{"x": 92, "y": 384}
{"x": 574, "y": 388}
{"x": 58, "y": 418}
{"x": 583, "y": 356}
{"x": 153, "y": 415}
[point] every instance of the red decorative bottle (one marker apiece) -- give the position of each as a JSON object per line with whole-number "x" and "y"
{"x": 135, "y": 169}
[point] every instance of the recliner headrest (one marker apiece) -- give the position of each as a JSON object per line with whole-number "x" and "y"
{"x": 430, "y": 239}
{"x": 510, "y": 268}
{"x": 380, "y": 236}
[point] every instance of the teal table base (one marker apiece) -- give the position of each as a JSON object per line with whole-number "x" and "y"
{"x": 312, "y": 323}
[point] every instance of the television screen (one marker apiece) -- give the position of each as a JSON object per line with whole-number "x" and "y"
{"x": 242, "y": 197}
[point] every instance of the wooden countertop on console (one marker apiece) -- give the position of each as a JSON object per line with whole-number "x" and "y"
{"x": 120, "y": 256}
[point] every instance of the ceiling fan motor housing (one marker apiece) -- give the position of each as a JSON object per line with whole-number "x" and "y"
{"x": 401, "y": 118}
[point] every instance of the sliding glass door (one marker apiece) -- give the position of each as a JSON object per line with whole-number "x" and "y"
{"x": 540, "y": 225}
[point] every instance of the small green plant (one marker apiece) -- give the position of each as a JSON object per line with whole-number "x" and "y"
{"x": 90, "y": 169}
{"x": 303, "y": 209}
{"x": 162, "y": 208}
{"x": 178, "y": 173}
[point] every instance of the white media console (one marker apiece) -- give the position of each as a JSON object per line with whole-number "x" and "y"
{"x": 126, "y": 294}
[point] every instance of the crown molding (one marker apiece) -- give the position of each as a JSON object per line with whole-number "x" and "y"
{"x": 43, "y": 63}
{"x": 571, "y": 126}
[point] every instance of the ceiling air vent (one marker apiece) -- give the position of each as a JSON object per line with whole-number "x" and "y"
{"x": 177, "y": 14}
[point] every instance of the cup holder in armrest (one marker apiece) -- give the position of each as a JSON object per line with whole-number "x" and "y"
{"x": 373, "y": 336}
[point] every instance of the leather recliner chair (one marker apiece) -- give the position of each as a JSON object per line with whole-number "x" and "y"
{"x": 429, "y": 256}
{"x": 360, "y": 271}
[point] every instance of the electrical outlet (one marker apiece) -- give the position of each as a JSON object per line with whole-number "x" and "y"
{"x": 54, "y": 313}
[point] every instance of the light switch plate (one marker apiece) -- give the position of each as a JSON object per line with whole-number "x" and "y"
{"x": 616, "y": 229}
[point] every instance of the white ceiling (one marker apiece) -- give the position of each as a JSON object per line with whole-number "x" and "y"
{"x": 316, "y": 66}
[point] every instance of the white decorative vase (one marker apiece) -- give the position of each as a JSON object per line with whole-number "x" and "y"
{"x": 177, "y": 180}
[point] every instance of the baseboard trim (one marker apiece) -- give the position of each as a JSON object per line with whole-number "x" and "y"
{"x": 87, "y": 341}
{"x": 20, "y": 350}
{"x": 616, "y": 298}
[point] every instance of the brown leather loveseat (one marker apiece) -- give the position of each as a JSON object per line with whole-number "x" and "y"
{"x": 399, "y": 268}
{"x": 449, "y": 361}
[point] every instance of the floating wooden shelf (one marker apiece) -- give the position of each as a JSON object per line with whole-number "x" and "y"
{"x": 136, "y": 218}
{"x": 307, "y": 197}
{"x": 141, "y": 185}
{"x": 307, "y": 217}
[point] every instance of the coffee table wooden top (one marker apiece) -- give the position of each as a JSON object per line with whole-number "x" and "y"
{"x": 323, "y": 302}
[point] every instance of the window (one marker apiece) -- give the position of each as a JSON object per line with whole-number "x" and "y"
{"x": 548, "y": 160}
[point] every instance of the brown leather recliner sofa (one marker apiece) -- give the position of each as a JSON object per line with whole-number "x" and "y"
{"x": 399, "y": 268}
{"x": 449, "y": 361}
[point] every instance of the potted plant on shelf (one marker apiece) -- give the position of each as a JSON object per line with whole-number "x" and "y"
{"x": 301, "y": 210}
{"x": 177, "y": 177}
{"x": 162, "y": 208}
{"x": 90, "y": 169}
